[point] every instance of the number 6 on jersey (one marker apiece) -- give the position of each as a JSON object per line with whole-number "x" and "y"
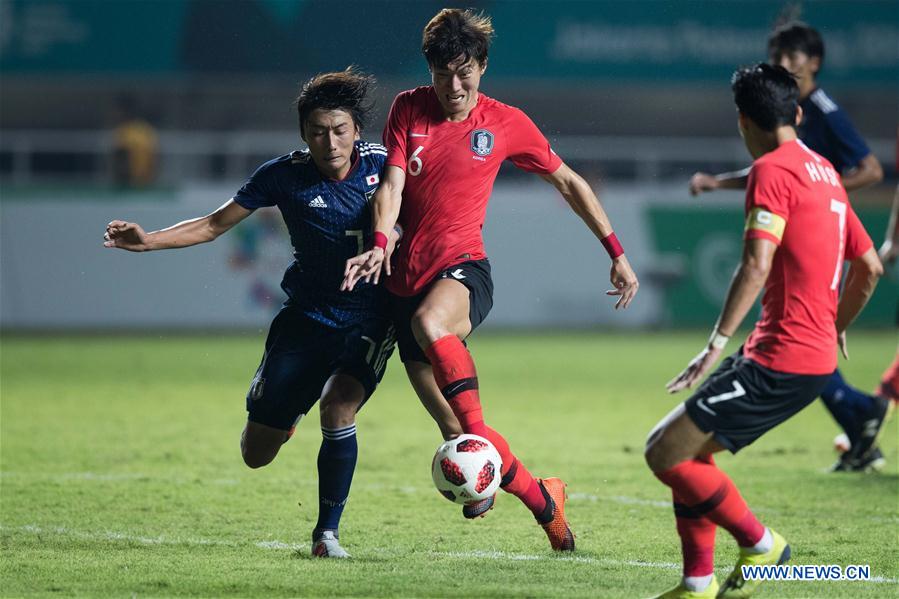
{"x": 414, "y": 166}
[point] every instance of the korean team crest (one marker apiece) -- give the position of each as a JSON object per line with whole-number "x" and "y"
{"x": 481, "y": 142}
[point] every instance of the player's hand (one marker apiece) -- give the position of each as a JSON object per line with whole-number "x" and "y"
{"x": 392, "y": 240}
{"x": 888, "y": 252}
{"x": 841, "y": 342}
{"x": 695, "y": 370}
{"x": 701, "y": 182}
{"x": 126, "y": 236}
{"x": 366, "y": 265}
{"x": 624, "y": 281}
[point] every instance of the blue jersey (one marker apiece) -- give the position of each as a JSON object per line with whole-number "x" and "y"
{"x": 826, "y": 129}
{"x": 329, "y": 221}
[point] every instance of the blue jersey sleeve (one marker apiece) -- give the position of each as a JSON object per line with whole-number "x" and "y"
{"x": 848, "y": 144}
{"x": 262, "y": 188}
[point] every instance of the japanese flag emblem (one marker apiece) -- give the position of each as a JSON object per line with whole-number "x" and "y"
{"x": 372, "y": 179}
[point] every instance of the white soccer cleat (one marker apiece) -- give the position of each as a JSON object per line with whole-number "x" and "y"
{"x": 327, "y": 545}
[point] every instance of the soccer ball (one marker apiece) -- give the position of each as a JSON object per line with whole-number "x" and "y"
{"x": 467, "y": 469}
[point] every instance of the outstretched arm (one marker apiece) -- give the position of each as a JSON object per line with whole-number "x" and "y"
{"x": 868, "y": 172}
{"x": 701, "y": 182}
{"x": 748, "y": 281}
{"x": 131, "y": 237}
{"x": 586, "y": 205}
{"x": 385, "y": 211}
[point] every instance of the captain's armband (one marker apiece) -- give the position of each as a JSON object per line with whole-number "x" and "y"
{"x": 762, "y": 220}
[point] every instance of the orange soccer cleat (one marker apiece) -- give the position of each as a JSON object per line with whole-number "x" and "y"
{"x": 557, "y": 529}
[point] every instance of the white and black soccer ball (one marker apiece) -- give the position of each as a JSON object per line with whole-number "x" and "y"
{"x": 467, "y": 469}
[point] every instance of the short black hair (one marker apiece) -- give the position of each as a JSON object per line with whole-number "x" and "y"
{"x": 453, "y": 33}
{"x": 343, "y": 90}
{"x": 796, "y": 36}
{"x": 767, "y": 94}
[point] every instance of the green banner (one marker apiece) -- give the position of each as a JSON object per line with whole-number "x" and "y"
{"x": 704, "y": 245}
{"x": 536, "y": 40}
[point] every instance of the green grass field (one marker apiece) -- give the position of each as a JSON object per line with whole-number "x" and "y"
{"x": 121, "y": 476}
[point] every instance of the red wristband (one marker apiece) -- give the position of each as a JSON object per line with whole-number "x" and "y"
{"x": 612, "y": 245}
{"x": 380, "y": 240}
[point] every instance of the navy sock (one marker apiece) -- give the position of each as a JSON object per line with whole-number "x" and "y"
{"x": 846, "y": 404}
{"x": 336, "y": 463}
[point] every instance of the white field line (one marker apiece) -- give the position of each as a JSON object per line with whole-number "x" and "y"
{"x": 280, "y": 545}
{"x": 405, "y": 489}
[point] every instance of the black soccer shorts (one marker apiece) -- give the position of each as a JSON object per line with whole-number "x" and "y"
{"x": 474, "y": 274}
{"x": 742, "y": 400}
{"x": 301, "y": 354}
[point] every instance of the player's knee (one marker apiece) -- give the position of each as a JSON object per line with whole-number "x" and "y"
{"x": 654, "y": 451}
{"x": 341, "y": 399}
{"x": 428, "y": 326}
{"x": 259, "y": 446}
{"x": 338, "y": 413}
{"x": 255, "y": 457}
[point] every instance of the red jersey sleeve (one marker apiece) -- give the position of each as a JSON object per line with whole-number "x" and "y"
{"x": 857, "y": 239}
{"x": 528, "y": 149}
{"x": 398, "y": 121}
{"x": 769, "y": 193}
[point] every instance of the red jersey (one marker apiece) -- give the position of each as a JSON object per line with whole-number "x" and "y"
{"x": 450, "y": 169}
{"x": 796, "y": 199}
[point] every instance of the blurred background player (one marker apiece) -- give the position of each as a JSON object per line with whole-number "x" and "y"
{"x": 445, "y": 145}
{"x": 788, "y": 358}
{"x": 135, "y": 146}
{"x": 826, "y": 129}
{"x": 324, "y": 343}
{"x": 889, "y": 252}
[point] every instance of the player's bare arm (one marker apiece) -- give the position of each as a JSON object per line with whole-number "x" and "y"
{"x": 385, "y": 211}
{"x": 861, "y": 280}
{"x": 586, "y": 205}
{"x": 131, "y": 236}
{"x": 702, "y": 182}
{"x": 748, "y": 281}
{"x": 868, "y": 172}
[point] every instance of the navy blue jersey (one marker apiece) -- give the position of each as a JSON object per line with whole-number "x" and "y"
{"x": 826, "y": 129}
{"x": 329, "y": 221}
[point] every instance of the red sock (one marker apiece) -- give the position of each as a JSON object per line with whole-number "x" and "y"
{"x": 707, "y": 492}
{"x": 697, "y": 540}
{"x": 457, "y": 378}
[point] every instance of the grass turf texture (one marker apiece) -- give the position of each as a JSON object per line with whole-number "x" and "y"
{"x": 121, "y": 475}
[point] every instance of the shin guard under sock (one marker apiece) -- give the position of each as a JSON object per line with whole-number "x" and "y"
{"x": 707, "y": 492}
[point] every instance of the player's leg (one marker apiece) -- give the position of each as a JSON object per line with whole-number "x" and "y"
{"x": 841, "y": 401}
{"x": 734, "y": 407}
{"x": 284, "y": 388}
{"x": 260, "y": 443}
{"x": 453, "y": 305}
{"x": 889, "y": 382}
{"x": 341, "y": 398}
{"x": 860, "y": 415}
{"x": 422, "y": 379}
{"x": 676, "y": 440}
{"x": 358, "y": 368}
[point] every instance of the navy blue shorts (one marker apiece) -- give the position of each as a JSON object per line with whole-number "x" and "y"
{"x": 301, "y": 354}
{"x": 742, "y": 400}
{"x": 474, "y": 274}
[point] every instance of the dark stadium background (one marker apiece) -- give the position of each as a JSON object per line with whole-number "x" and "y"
{"x": 634, "y": 95}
